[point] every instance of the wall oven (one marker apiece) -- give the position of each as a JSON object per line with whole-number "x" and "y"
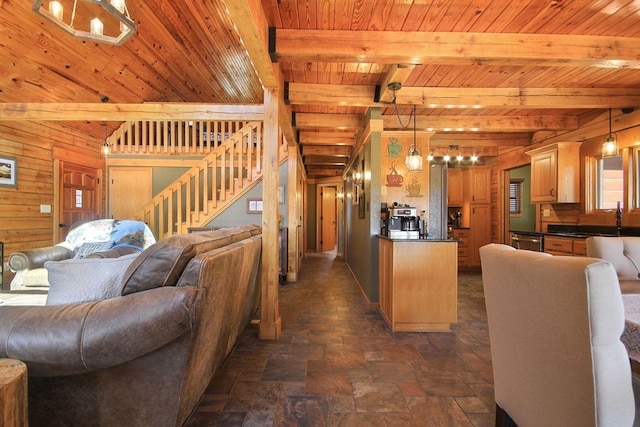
{"x": 530, "y": 241}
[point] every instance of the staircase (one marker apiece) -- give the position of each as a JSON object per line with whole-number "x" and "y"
{"x": 231, "y": 168}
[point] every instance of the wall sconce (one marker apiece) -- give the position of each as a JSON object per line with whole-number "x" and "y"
{"x": 610, "y": 145}
{"x": 113, "y": 10}
{"x": 357, "y": 179}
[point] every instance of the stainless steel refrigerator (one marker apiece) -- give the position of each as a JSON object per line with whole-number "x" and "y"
{"x": 437, "y": 225}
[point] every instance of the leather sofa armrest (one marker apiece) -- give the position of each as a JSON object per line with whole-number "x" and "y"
{"x": 35, "y": 258}
{"x": 77, "y": 338}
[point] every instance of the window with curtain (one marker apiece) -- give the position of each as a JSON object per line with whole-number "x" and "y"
{"x": 516, "y": 191}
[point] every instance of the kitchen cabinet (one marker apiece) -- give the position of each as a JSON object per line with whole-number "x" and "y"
{"x": 480, "y": 185}
{"x": 418, "y": 284}
{"x": 559, "y": 245}
{"x": 476, "y": 210}
{"x": 555, "y": 173}
{"x": 462, "y": 235}
{"x": 480, "y": 231}
{"x": 454, "y": 187}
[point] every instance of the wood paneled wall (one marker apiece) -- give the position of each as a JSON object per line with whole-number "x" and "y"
{"x": 592, "y": 133}
{"x": 22, "y": 225}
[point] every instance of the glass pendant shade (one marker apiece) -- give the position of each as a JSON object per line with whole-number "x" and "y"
{"x": 610, "y": 145}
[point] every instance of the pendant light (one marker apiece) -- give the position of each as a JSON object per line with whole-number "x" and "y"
{"x": 610, "y": 145}
{"x": 106, "y": 148}
{"x": 414, "y": 157}
{"x": 413, "y": 160}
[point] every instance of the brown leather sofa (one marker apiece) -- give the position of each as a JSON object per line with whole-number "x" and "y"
{"x": 143, "y": 358}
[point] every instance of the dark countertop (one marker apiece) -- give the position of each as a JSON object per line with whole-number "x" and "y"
{"x": 428, "y": 240}
{"x": 582, "y": 231}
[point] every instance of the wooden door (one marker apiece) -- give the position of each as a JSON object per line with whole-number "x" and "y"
{"x": 78, "y": 195}
{"x": 328, "y": 219}
{"x": 129, "y": 190}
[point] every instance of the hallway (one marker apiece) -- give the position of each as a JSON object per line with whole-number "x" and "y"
{"x": 338, "y": 364}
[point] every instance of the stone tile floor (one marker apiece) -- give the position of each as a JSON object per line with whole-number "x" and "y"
{"x": 338, "y": 364}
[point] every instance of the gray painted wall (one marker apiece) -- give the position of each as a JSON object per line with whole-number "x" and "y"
{"x": 361, "y": 234}
{"x": 236, "y": 214}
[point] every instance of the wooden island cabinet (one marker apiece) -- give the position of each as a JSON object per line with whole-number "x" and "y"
{"x": 418, "y": 284}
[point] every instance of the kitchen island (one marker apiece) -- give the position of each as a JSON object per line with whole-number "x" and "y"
{"x": 418, "y": 284}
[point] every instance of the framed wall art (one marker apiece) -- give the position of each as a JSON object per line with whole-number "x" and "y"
{"x": 8, "y": 171}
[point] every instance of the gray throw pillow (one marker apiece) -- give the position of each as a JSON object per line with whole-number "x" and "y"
{"x": 82, "y": 280}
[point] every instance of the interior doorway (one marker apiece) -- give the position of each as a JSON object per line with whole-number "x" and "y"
{"x": 519, "y": 212}
{"x": 78, "y": 195}
{"x": 129, "y": 190}
{"x": 327, "y": 218}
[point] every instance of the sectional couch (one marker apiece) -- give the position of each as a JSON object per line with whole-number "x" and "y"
{"x": 144, "y": 356}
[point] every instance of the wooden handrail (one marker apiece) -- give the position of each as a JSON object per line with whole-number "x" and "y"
{"x": 231, "y": 168}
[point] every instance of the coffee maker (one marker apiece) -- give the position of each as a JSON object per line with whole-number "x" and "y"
{"x": 401, "y": 222}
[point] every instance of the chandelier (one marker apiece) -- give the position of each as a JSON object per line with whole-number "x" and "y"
{"x": 103, "y": 21}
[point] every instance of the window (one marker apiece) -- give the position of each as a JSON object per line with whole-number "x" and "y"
{"x": 516, "y": 191}
{"x": 79, "y": 199}
{"x": 609, "y": 183}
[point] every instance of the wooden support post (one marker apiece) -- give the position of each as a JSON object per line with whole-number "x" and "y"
{"x": 293, "y": 216}
{"x": 270, "y": 322}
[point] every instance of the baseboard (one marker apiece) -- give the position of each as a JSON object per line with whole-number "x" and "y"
{"x": 365, "y": 297}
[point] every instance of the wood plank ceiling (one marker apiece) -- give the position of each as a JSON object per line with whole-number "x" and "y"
{"x": 482, "y": 74}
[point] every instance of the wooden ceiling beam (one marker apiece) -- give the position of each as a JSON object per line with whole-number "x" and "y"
{"x": 399, "y": 73}
{"x": 325, "y": 160}
{"x": 464, "y": 97}
{"x": 463, "y": 48}
{"x": 325, "y": 150}
{"x": 438, "y": 151}
{"x": 129, "y": 112}
{"x": 251, "y": 24}
{"x": 484, "y": 139}
{"x": 440, "y": 97}
{"x": 484, "y": 123}
{"x": 326, "y": 138}
{"x": 324, "y": 172}
{"x": 329, "y": 121}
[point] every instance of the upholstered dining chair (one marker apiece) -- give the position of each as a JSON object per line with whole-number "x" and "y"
{"x": 624, "y": 254}
{"x": 554, "y": 325}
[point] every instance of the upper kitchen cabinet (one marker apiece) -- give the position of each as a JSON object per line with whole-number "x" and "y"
{"x": 480, "y": 185}
{"x": 555, "y": 173}
{"x": 454, "y": 187}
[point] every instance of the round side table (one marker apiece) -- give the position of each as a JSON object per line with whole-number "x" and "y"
{"x": 13, "y": 393}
